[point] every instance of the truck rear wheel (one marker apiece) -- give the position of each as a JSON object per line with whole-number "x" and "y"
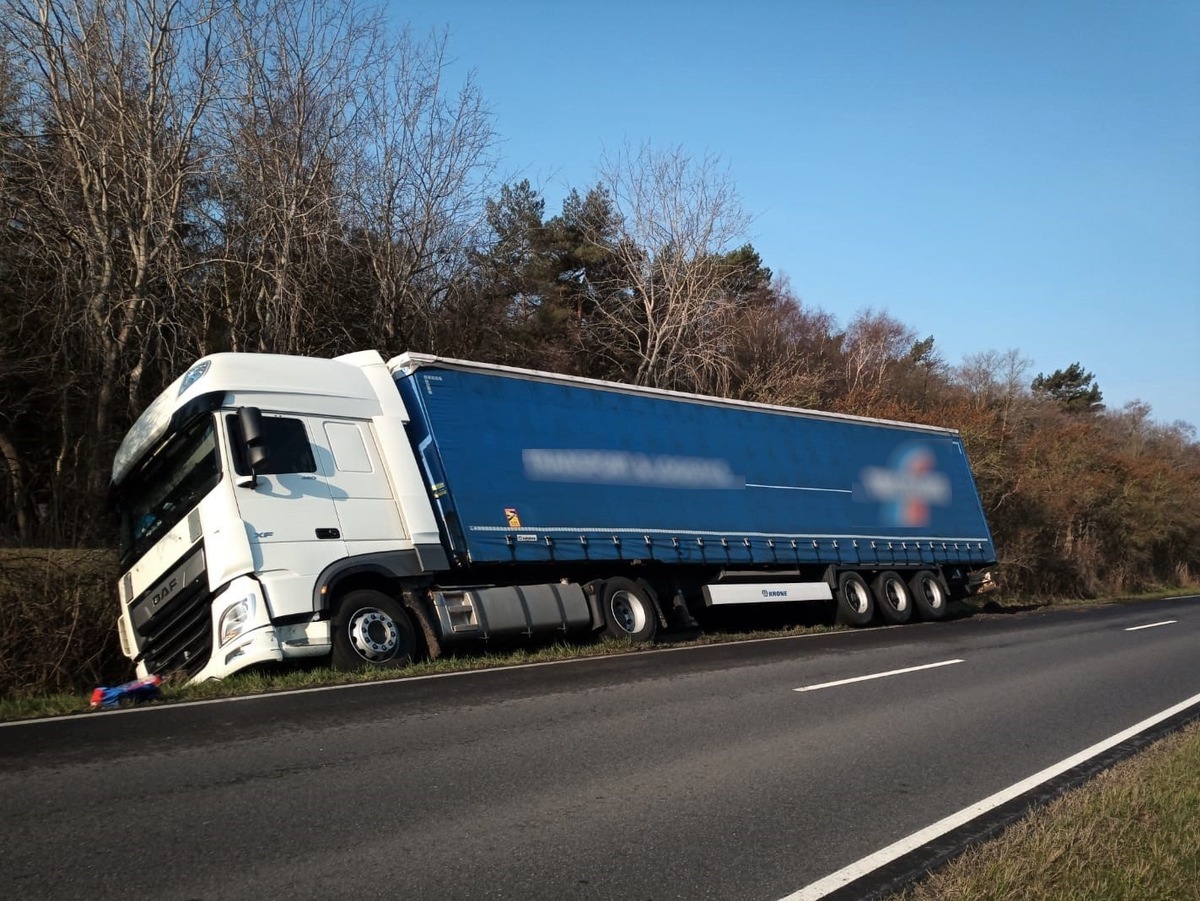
{"x": 628, "y": 610}
{"x": 929, "y": 594}
{"x": 893, "y": 600}
{"x": 370, "y": 629}
{"x": 855, "y": 607}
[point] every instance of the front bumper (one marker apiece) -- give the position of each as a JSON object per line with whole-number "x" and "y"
{"x": 249, "y": 637}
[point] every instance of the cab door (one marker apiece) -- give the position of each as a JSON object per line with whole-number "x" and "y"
{"x": 290, "y": 517}
{"x": 362, "y": 493}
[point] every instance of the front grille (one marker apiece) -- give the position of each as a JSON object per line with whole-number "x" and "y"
{"x": 178, "y": 636}
{"x": 184, "y": 640}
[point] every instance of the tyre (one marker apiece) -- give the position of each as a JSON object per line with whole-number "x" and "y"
{"x": 855, "y": 606}
{"x": 893, "y": 600}
{"x": 370, "y": 629}
{"x": 930, "y": 595}
{"x": 629, "y": 612}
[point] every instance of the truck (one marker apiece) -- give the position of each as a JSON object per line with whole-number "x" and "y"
{"x": 278, "y": 508}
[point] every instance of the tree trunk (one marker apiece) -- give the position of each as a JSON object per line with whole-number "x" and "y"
{"x": 22, "y": 507}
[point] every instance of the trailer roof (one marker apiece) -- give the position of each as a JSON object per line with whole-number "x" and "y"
{"x": 408, "y": 363}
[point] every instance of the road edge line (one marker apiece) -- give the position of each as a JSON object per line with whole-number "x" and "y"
{"x": 866, "y": 865}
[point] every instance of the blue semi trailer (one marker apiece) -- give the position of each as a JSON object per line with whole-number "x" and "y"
{"x": 280, "y": 507}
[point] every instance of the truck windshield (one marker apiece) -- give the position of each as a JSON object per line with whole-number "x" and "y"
{"x": 167, "y": 487}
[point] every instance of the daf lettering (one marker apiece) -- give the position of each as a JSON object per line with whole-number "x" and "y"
{"x": 165, "y": 592}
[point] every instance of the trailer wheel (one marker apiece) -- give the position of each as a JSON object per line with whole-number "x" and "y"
{"x": 628, "y": 611}
{"x": 855, "y": 607}
{"x": 371, "y": 629}
{"x": 930, "y": 595}
{"x": 893, "y": 600}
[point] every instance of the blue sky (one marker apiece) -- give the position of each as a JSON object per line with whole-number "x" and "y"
{"x": 995, "y": 174}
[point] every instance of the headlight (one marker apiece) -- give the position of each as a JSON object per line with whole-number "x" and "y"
{"x": 235, "y": 619}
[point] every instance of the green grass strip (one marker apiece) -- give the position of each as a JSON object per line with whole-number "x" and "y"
{"x": 1133, "y": 832}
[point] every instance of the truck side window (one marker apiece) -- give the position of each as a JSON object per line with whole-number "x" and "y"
{"x": 288, "y": 440}
{"x": 349, "y": 451}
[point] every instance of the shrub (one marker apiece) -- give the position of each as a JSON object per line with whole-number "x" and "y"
{"x": 57, "y": 622}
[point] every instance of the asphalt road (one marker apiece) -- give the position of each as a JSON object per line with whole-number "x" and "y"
{"x": 676, "y": 774}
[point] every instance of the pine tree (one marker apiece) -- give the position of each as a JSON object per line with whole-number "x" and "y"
{"x": 1073, "y": 388}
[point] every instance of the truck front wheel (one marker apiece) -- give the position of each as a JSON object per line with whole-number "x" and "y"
{"x": 628, "y": 611}
{"x": 371, "y": 629}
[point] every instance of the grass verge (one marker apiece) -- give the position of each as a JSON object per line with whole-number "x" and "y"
{"x": 1007, "y": 603}
{"x": 261, "y": 681}
{"x": 1132, "y": 832}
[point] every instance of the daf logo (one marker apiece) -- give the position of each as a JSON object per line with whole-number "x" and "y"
{"x": 165, "y": 592}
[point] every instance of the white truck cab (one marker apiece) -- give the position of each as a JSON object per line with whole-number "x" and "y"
{"x": 224, "y": 556}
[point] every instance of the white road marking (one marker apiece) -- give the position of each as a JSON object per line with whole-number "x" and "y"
{"x": 895, "y": 672}
{"x": 884, "y": 856}
{"x": 1165, "y": 622}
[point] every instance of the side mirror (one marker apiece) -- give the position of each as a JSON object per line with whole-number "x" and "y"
{"x": 254, "y": 440}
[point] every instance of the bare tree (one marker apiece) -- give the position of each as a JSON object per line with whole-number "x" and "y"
{"x": 995, "y": 379}
{"x": 15, "y": 502}
{"x": 420, "y": 188}
{"x": 874, "y": 342}
{"x": 991, "y": 375}
{"x": 178, "y": 176}
{"x": 785, "y": 353}
{"x": 665, "y": 318}
{"x": 113, "y": 95}
{"x": 283, "y": 138}
{"x": 341, "y": 147}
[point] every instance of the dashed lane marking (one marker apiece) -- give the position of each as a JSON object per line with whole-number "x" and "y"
{"x": 1165, "y": 622}
{"x": 894, "y": 672}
